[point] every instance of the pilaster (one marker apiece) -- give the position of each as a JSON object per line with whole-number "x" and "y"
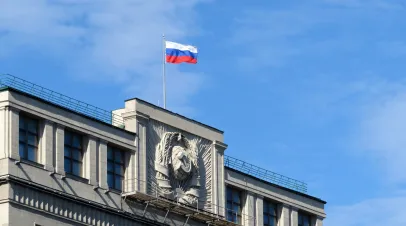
{"x": 293, "y": 216}
{"x": 249, "y": 209}
{"x": 13, "y": 132}
{"x": 103, "y": 164}
{"x": 130, "y": 179}
{"x": 3, "y": 132}
{"x": 60, "y": 146}
{"x": 318, "y": 221}
{"x": 47, "y": 145}
{"x": 283, "y": 215}
{"x": 136, "y": 173}
{"x": 91, "y": 171}
{"x": 141, "y": 154}
{"x": 218, "y": 176}
{"x": 259, "y": 216}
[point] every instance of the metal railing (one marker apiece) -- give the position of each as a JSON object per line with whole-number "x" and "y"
{"x": 148, "y": 191}
{"x": 72, "y": 104}
{"x": 264, "y": 174}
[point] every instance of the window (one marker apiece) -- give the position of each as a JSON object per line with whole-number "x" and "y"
{"x": 73, "y": 153}
{"x": 28, "y": 138}
{"x": 269, "y": 213}
{"x": 115, "y": 167}
{"x": 304, "y": 219}
{"x": 233, "y": 205}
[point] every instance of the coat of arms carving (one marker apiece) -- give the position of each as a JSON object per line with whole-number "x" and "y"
{"x": 177, "y": 169}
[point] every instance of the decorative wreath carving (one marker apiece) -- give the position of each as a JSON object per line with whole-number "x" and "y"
{"x": 177, "y": 169}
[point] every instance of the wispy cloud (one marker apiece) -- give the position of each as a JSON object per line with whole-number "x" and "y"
{"x": 118, "y": 41}
{"x": 263, "y": 36}
{"x": 272, "y": 37}
{"x": 381, "y": 134}
{"x": 369, "y": 4}
{"x": 342, "y": 81}
{"x": 383, "y": 211}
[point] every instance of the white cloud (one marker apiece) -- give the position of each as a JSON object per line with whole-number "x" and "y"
{"x": 119, "y": 41}
{"x": 263, "y": 36}
{"x": 382, "y": 134}
{"x": 272, "y": 37}
{"x": 383, "y": 211}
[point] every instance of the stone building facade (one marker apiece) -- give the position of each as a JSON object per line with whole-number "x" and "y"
{"x": 143, "y": 166}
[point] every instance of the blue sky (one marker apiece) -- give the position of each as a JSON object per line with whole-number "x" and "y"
{"x": 311, "y": 89}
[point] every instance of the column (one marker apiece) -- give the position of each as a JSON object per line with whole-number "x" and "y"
{"x": 294, "y": 216}
{"x": 47, "y": 145}
{"x": 103, "y": 164}
{"x": 218, "y": 185}
{"x": 13, "y": 132}
{"x": 283, "y": 215}
{"x": 248, "y": 217}
{"x": 60, "y": 146}
{"x": 260, "y": 210}
{"x": 91, "y": 171}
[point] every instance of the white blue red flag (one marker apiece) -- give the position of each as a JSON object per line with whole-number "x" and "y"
{"x": 178, "y": 53}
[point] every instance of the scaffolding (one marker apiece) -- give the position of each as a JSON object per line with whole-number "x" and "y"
{"x": 148, "y": 194}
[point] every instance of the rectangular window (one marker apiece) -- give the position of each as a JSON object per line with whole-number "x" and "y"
{"x": 28, "y": 138}
{"x": 234, "y": 205}
{"x": 73, "y": 153}
{"x": 115, "y": 168}
{"x": 304, "y": 219}
{"x": 269, "y": 213}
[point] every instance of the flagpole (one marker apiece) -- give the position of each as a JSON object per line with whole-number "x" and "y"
{"x": 163, "y": 68}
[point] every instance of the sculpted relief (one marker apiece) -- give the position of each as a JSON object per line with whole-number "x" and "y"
{"x": 177, "y": 168}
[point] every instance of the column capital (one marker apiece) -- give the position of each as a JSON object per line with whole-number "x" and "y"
{"x": 12, "y": 108}
{"x": 285, "y": 205}
{"x": 135, "y": 115}
{"x": 48, "y": 122}
{"x": 220, "y": 145}
{"x": 59, "y": 126}
{"x": 294, "y": 208}
{"x": 102, "y": 141}
{"x": 142, "y": 116}
{"x": 91, "y": 137}
{"x": 319, "y": 218}
{"x": 259, "y": 196}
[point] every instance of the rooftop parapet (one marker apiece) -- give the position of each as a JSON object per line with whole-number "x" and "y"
{"x": 56, "y": 98}
{"x": 264, "y": 174}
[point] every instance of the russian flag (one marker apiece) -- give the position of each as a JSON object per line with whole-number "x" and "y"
{"x": 177, "y": 53}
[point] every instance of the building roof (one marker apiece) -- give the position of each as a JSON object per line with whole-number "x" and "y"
{"x": 4, "y": 88}
{"x": 176, "y": 114}
{"x": 9, "y": 82}
{"x": 278, "y": 186}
